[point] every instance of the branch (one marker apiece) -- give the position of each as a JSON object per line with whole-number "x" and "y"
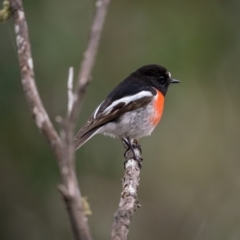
{"x": 83, "y": 80}
{"x": 77, "y": 96}
{"x": 62, "y": 147}
{"x": 128, "y": 202}
{"x": 69, "y": 188}
{"x": 28, "y": 79}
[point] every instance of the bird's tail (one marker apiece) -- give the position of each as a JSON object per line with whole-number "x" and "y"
{"x": 82, "y": 138}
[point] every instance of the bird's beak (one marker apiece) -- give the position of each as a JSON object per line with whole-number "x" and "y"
{"x": 174, "y": 81}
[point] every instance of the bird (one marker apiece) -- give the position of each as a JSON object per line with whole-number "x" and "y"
{"x": 132, "y": 109}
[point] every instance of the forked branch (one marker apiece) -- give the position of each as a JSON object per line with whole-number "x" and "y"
{"x": 62, "y": 146}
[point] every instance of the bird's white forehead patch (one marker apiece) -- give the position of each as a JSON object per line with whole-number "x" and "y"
{"x": 169, "y": 74}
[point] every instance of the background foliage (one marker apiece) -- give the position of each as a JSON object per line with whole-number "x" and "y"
{"x": 190, "y": 179}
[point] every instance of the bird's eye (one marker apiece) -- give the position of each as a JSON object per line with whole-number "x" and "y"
{"x": 161, "y": 79}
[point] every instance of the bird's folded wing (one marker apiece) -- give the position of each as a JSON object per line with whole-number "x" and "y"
{"x": 108, "y": 111}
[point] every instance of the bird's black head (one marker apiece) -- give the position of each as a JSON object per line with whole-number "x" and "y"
{"x": 157, "y": 76}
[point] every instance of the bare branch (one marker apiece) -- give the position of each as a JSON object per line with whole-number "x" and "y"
{"x": 62, "y": 146}
{"x": 28, "y": 80}
{"x": 85, "y": 71}
{"x": 84, "y": 76}
{"x": 128, "y": 202}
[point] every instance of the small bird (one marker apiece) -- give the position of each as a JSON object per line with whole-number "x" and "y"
{"x": 132, "y": 109}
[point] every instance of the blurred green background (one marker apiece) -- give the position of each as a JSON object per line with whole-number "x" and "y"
{"x": 190, "y": 181}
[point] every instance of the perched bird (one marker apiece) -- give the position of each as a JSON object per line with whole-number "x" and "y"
{"x": 132, "y": 109}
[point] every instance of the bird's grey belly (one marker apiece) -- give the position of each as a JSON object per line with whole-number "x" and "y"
{"x": 134, "y": 124}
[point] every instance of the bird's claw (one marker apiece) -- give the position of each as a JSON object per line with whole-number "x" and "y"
{"x": 131, "y": 147}
{"x": 137, "y": 145}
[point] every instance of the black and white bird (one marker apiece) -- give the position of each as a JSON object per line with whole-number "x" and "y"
{"x": 132, "y": 109}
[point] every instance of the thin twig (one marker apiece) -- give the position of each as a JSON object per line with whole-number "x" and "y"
{"x": 70, "y": 90}
{"x": 128, "y": 201}
{"x": 89, "y": 56}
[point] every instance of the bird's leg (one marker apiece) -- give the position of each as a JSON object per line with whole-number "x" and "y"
{"x": 127, "y": 141}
